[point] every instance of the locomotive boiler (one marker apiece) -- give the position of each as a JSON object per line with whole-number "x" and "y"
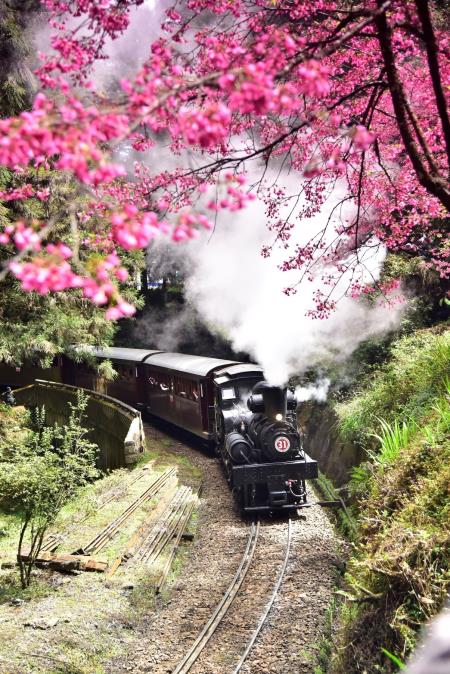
{"x": 225, "y": 404}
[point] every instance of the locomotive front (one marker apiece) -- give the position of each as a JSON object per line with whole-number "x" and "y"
{"x": 261, "y": 449}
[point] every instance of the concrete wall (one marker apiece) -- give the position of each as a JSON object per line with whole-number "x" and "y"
{"x": 114, "y": 426}
{"x": 335, "y": 458}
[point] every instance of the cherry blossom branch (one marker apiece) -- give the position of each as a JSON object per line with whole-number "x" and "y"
{"x": 435, "y": 184}
{"x": 433, "y": 62}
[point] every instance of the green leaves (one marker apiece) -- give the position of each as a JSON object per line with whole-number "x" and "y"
{"x": 42, "y": 473}
{"x": 393, "y": 438}
{"x": 400, "y": 664}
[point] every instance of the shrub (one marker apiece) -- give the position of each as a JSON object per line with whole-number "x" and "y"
{"x": 39, "y": 475}
{"x": 399, "y": 572}
{"x": 399, "y": 391}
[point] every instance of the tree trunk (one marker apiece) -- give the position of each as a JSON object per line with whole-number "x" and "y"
{"x": 21, "y": 563}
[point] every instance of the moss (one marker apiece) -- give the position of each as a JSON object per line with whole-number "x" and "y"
{"x": 399, "y": 573}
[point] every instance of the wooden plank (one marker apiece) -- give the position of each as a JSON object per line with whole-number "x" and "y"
{"x": 66, "y": 562}
{"x": 143, "y": 530}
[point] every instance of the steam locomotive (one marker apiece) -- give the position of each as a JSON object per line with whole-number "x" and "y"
{"x": 226, "y": 404}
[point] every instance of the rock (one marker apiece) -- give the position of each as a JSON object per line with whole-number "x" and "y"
{"x": 42, "y": 623}
{"x": 17, "y": 602}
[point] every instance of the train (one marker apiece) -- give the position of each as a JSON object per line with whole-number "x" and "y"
{"x": 226, "y": 404}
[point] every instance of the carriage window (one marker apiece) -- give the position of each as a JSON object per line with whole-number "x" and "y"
{"x": 159, "y": 380}
{"x": 228, "y": 394}
{"x": 186, "y": 388}
{"x": 126, "y": 372}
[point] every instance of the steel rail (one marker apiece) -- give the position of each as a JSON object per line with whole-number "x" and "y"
{"x": 170, "y": 531}
{"x": 54, "y": 540}
{"x": 266, "y": 612}
{"x": 222, "y": 607}
{"x": 178, "y": 533}
{"x": 141, "y": 533}
{"x": 99, "y": 541}
{"x": 154, "y": 536}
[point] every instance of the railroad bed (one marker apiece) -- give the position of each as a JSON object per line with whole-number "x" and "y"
{"x": 289, "y": 638}
{"x": 115, "y": 623}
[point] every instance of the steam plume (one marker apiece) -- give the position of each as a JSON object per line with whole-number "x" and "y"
{"x": 234, "y": 288}
{"x": 317, "y": 391}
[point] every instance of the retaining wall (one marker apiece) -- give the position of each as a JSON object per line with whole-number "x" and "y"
{"x": 321, "y": 441}
{"x": 114, "y": 426}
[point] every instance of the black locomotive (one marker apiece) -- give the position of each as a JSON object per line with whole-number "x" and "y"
{"x": 227, "y": 404}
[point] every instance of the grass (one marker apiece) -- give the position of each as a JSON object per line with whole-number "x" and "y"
{"x": 82, "y": 647}
{"x": 344, "y": 518}
{"x": 326, "y": 645}
{"x": 398, "y": 575}
{"x": 401, "y": 390}
{"x": 11, "y": 589}
{"x": 392, "y": 439}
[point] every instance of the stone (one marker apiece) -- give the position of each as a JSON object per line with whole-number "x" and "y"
{"x": 42, "y": 623}
{"x": 128, "y": 586}
{"x": 17, "y": 602}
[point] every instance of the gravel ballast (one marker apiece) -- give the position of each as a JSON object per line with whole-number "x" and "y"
{"x": 289, "y": 639}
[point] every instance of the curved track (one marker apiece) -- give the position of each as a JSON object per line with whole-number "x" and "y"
{"x": 266, "y": 611}
{"x": 222, "y": 608}
{"x": 277, "y": 615}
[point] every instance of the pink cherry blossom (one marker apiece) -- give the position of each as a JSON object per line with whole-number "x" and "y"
{"x": 327, "y": 93}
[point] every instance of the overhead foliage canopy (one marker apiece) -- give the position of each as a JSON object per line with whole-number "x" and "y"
{"x": 349, "y": 94}
{"x": 32, "y": 325}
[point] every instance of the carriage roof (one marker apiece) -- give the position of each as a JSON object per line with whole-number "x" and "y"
{"x": 181, "y": 362}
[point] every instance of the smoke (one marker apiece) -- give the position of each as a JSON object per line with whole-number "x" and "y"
{"x": 317, "y": 391}
{"x": 125, "y": 55}
{"x": 176, "y": 327}
{"x": 235, "y": 289}
{"x": 166, "y": 328}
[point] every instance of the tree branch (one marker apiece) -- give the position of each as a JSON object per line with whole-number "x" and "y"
{"x": 433, "y": 183}
{"x": 433, "y": 63}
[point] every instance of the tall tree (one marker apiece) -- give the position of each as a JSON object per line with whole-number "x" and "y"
{"x": 36, "y": 326}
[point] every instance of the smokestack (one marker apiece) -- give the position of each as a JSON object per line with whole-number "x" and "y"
{"x": 271, "y": 400}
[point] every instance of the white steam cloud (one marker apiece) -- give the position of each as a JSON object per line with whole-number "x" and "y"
{"x": 125, "y": 54}
{"x": 317, "y": 391}
{"x": 234, "y": 288}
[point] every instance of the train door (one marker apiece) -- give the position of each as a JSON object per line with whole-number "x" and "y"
{"x": 187, "y": 408}
{"x": 172, "y": 399}
{"x": 141, "y": 387}
{"x": 207, "y": 405}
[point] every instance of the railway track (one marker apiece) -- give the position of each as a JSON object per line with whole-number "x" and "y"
{"x": 231, "y": 595}
{"x": 106, "y": 534}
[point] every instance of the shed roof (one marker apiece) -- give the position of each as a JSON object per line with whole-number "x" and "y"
{"x": 198, "y": 365}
